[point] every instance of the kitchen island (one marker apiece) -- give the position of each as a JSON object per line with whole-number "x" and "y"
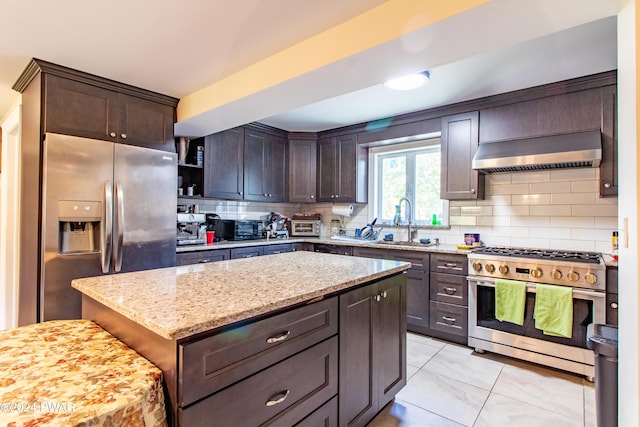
{"x": 258, "y": 339}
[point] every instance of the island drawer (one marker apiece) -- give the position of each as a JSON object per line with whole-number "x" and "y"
{"x": 186, "y": 258}
{"x": 449, "y": 263}
{"x": 449, "y": 288}
{"x": 449, "y": 318}
{"x": 209, "y": 364}
{"x": 325, "y": 416}
{"x": 280, "y": 395}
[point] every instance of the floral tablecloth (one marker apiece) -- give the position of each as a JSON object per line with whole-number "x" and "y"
{"x": 74, "y": 373}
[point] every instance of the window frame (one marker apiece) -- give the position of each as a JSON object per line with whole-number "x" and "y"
{"x": 414, "y": 148}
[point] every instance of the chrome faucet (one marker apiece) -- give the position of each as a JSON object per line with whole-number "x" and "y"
{"x": 411, "y": 230}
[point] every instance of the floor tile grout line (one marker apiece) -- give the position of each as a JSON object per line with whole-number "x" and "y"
{"x": 488, "y": 395}
{"x": 431, "y": 412}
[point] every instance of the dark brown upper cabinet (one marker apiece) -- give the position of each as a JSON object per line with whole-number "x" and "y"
{"x": 342, "y": 170}
{"x": 223, "y": 164}
{"x": 459, "y": 143}
{"x": 302, "y": 168}
{"x": 265, "y": 166}
{"x": 609, "y": 163}
{"x": 90, "y": 111}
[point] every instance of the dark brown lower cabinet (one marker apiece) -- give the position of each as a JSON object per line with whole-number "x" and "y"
{"x": 373, "y": 324}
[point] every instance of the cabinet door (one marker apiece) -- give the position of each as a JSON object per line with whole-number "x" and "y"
{"x": 74, "y": 108}
{"x": 223, "y": 164}
{"x": 418, "y": 297}
{"x": 326, "y": 172}
{"x": 358, "y": 374}
{"x": 391, "y": 339}
{"x": 609, "y": 163}
{"x": 186, "y": 258}
{"x": 346, "y": 169}
{"x": 254, "y": 165}
{"x": 145, "y": 123}
{"x": 371, "y": 252}
{"x": 302, "y": 171}
{"x": 277, "y": 249}
{"x": 459, "y": 143}
{"x": 275, "y": 171}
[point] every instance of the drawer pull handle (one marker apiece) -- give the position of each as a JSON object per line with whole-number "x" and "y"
{"x": 450, "y": 291}
{"x": 277, "y": 398}
{"x": 449, "y": 320}
{"x": 204, "y": 260}
{"x": 384, "y": 294}
{"x": 283, "y": 336}
{"x": 451, "y": 265}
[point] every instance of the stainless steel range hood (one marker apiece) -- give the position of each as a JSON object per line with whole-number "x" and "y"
{"x": 571, "y": 150}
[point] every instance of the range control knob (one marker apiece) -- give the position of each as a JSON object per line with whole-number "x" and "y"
{"x": 573, "y": 276}
{"x": 477, "y": 267}
{"x": 490, "y": 268}
{"x": 503, "y": 269}
{"x": 591, "y": 278}
{"x": 556, "y": 274}
{"x": 536, "y": 272}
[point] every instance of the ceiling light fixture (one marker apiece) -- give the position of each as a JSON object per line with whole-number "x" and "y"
{"x": 408, "y": 82}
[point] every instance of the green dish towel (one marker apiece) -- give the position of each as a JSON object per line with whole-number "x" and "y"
{"x": 511, "y": 296}
{"x": 553, "y": 311}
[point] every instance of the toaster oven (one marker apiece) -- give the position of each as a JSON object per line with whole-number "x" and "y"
{"x": 305, "y": 227}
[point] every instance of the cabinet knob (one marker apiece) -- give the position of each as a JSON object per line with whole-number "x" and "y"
{"x": 337, "y": 195}
{"x": 123, "y": 135}
{"x": 313, "y": 197}
{"x": 332, "y": 196}
{"x": 607, "y": 185}
{"x": 265, "y": 194}
{"x": 473, "y": 191}
{"x": 270, "y": 195}
{"x": 384, "y": 294}
{"x": 614, "y": 305}
{"x": 240, "y": 193}
{"x": 112, "y": 134}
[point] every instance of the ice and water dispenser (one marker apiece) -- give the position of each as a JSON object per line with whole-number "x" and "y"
{"x": 79, "y": 226}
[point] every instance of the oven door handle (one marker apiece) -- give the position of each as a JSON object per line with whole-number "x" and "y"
{"x": 531, "y": 287}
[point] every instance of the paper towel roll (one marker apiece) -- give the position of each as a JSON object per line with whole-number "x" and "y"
{"x": 344, "y": 209}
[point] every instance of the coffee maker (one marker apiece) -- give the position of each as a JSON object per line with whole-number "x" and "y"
{"x": 190, "y": 229}
{"x": 214, "y": 223}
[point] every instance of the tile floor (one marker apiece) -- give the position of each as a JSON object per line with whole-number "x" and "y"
{"x": 450, "y": 385}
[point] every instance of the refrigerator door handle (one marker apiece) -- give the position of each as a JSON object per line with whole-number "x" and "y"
{"x": 107, "y": 225}
{"x": 119, "y": 229}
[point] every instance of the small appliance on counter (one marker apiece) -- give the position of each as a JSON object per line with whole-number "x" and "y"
{"x": 242, "y": 229}
{"x": 306, "y": 225}
{"x": 214, "y": 223}
{"x": 276, "y": 226}
{"x": 189, "y": 226}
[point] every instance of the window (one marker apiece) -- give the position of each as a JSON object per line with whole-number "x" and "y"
{"x": 409, "y": 170}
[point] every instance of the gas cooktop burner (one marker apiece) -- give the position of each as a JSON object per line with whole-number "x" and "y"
{"x": 550, "y": 254}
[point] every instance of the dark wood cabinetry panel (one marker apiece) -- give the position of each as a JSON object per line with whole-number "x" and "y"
{"x": 80, "y": 109}
{"x": 247, "y": 252}
{"x": 563, "y": 113}
{"x": 223, "y": 160}
{"x": 277, "y": 249}
{"x": 186, "y": 258}
{"x": 145, "y": 123}
{"x": 372, "y": 349}
{"x": 324, "y": 416}
{"x": 417, "y": 288}
{"x": 265, "y": 167}
{"x": 342, "y": 170}
{"x": 612, "y": 296}
{"x": 459, "y": 143}
{"x": 609, "y": 164}
{"x": 302, "y": 170}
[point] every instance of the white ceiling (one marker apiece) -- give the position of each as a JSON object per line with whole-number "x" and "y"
{"x": 177, "y": 50}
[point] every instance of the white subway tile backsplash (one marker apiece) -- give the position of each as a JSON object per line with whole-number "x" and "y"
{"x": 581, "y": 174}
{"x": 530, "y": 243}
{"x": 591, "y": 234}
{"x": 511, "y": 231}
{"x": 531, "y": 199}
{"x": 551, "y": 233}
{"x": 511, "y": 210}
{"x": 501, "y": 221}
{"x": 462, "y": 220}
{"x": 530, "y": 221}
{"x": 454, "y": 210}
{"x": 576, "y": 245}
{"x": 594, "y": 210}
{"x": 610, "y": 222}
{"x": 529, "y": 177}
{"x": 501, "y": 200}
{"x": 476, "y": 210}
{"x": 498, "y": 178}
{"x": 573, "y": 198}
{"x": 585, "y": 186}
{"x": 547, "y": 210}
{"x": 549, "y": 188}
{"x": 510, "y": 189}
{"x": 581, "y": 222}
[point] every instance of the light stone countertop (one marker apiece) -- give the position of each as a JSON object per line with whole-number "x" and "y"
{"x": 179, "y": 302}
{"x": 442, "y": 248}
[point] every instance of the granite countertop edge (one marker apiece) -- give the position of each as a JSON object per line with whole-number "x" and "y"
{"x": 442, "y": 248}
{"x": 96, "y": 288}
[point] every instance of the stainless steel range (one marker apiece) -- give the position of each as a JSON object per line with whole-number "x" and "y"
{"x": 584, "y": 272}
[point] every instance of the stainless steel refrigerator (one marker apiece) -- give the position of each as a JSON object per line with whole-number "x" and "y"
{"x": 106, "y": 208}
